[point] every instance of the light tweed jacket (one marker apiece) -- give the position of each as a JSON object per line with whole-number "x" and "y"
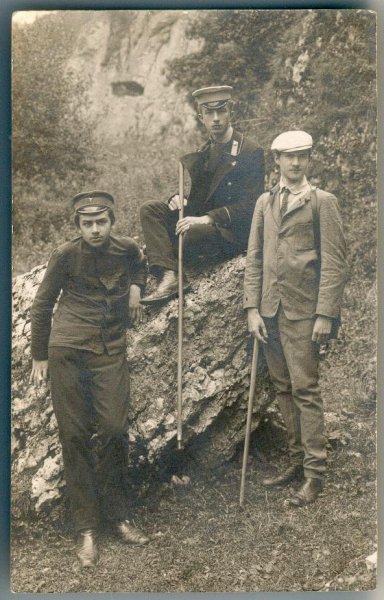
{"x": 282, "y": 261}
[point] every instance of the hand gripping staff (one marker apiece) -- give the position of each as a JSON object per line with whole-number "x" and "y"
{"x": 252, "y": 388}
{"x": 180, "y": 317}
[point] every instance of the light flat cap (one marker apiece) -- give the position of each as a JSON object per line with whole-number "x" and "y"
{"x": 213, "y": 97}
{"x": 292, "y": 141}
{"x": 93, "y": 202}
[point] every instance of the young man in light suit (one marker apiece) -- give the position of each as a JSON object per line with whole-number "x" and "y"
{"x": 294, "y": 281}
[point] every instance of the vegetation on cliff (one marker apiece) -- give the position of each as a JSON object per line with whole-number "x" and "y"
{"x": 307, "y": 69}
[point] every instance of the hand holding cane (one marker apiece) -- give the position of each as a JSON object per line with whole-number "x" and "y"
{"x": 180, "y": 316}
{"x": 252, "y": 389}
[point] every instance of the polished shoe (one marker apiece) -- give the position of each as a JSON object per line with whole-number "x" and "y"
{"x": 130, "y": 534}
{"x": 291, "y": 473}
{"x": 308, "y": 492}
{"x": 168, "y": 288}
{"x": 86, "y": 549}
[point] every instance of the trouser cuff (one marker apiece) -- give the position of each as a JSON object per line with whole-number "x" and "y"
{"x": 78, "y": 527}
{"x": 161, "y": 264}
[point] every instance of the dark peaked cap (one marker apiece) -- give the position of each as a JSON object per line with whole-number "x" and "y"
{"x": 93, "y": 202}
{"x": 214, "y": 96}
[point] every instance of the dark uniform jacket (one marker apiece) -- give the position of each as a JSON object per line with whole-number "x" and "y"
{"x": 229, "y": 194}
{"x": 92, "y": 312}
{"x": 282, "y": 262}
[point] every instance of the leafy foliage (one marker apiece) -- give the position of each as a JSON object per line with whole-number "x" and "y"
{"x": 53, "y": 146}
{"x": 51, "y": 133}
{"x": 238, "y": 47}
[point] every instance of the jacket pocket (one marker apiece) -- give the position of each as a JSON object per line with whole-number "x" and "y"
{"x": 304, "y": 237}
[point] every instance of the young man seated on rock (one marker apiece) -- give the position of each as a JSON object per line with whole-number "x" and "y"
{"x": 100, "y": 279}
{"x": 227, "y": 176}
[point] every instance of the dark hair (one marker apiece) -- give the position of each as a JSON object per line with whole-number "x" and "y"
{"x": 110, "y": 212}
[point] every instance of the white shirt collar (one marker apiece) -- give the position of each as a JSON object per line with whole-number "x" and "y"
{"x": 294, "y": 188}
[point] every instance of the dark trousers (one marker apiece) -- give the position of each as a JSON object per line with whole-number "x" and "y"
{"x": 293, "y": 363}
{"x": 89, "y": 389}
{"x": 159, "y": 222}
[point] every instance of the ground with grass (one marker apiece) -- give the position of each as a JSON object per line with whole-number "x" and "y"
{"x": 202, "y": 541}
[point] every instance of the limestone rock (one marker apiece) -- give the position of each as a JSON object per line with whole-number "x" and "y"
{"x": 123, "y": 56}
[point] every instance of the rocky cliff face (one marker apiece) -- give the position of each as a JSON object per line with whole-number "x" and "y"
{"x": 215, "y": 386}
{"x": 122, "y": 56}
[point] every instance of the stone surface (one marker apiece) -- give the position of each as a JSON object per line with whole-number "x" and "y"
{"x": 122, "y": 56}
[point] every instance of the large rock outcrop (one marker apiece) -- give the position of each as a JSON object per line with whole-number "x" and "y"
{"x": 122, "y": 57}
{"x": 216, "y": 380}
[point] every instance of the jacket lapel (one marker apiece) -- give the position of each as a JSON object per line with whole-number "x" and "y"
{"x": 298, "y": 204}
{"x": 275, "y": 204}
{"x": 190, "y": 161}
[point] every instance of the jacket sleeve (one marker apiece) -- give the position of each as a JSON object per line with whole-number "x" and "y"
{"x": 253, "y": 277}
{"x": 250, "y": 186}
{"x": 44, "y": 302}
{"x": 333, "y": 264}
{"x": 138, "y": 265}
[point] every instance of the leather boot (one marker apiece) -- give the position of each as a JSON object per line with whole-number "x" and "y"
{"x": 308, "y": 492}
{"x": 86, "y": 548}
{"x": 167, "y": 289}
{"x": 291, "y": 473}
{"x": 130, "y": 534}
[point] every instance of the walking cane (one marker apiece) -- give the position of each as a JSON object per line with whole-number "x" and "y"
{"x": 252, "y": 388}
{"x": 180, "y": 317}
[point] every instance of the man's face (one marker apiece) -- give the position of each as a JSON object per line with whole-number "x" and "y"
{"x": 95, "y": 229}
{"x": 216, "y": 120}
{"x": 293, "y": 165}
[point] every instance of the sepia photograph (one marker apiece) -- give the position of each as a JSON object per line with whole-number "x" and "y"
{"x": 194, "y": 301}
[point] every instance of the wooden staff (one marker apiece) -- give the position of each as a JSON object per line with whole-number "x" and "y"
{"x": 252, "y": 389}
{"x": 180, "y": 317}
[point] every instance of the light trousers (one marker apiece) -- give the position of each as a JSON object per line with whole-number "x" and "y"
{"x": 293, "y": 364}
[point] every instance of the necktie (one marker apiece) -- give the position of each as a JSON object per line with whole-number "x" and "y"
{"x": 284, "y": 201}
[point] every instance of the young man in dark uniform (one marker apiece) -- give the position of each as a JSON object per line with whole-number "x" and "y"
{"x": 227, "y": 176}
{"x": 294, "y": 280}
{"x": 100, "y": 279}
